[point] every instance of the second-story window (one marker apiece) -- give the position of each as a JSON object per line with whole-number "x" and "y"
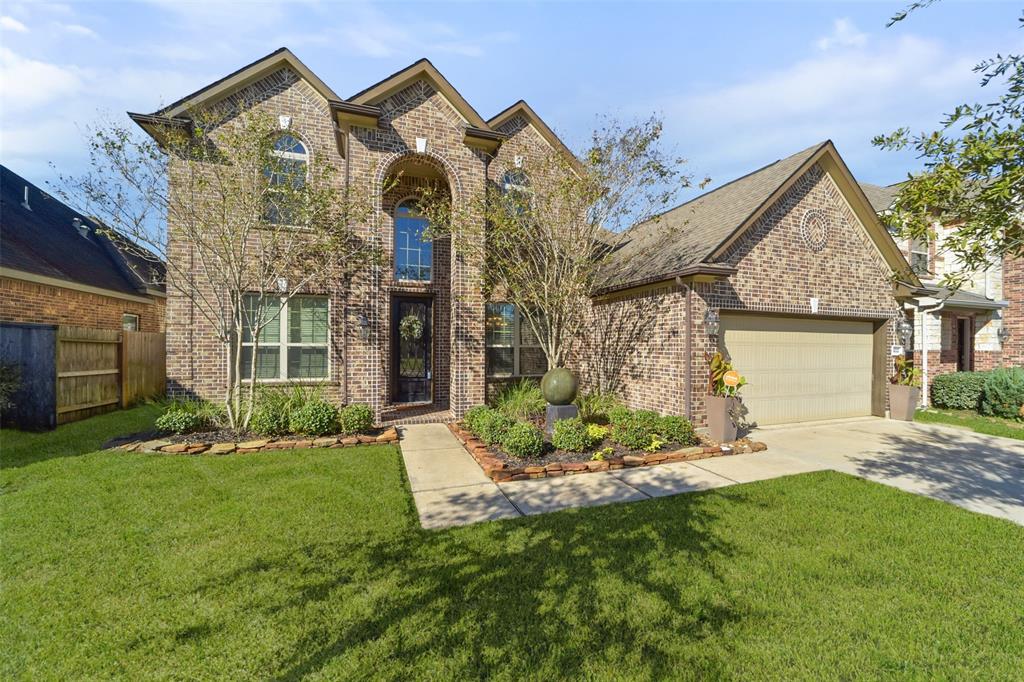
{"x": 286, "y": 173}
{"x": 919, "y": 261}
{"x": 414, "y": 254}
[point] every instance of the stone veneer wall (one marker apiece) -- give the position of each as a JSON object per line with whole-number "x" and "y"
{"x": 22, "y": 301}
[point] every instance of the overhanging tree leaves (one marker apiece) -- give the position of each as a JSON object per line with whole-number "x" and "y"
{"x": 241, "y": 218}
{"x": 973, "y": 177}
{"x": 547, "y": 229}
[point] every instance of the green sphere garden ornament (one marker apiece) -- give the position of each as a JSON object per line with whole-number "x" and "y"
{"x": 559, "y": 386}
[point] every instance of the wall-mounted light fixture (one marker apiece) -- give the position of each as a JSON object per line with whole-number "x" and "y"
{"x": 1004, "y": 335}
{"x": 364, "y": 327}
{"x": 712, "y": 322}
{"x": 905, "y": 330}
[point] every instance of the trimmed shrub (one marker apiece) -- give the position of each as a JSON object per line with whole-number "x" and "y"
{"x": 1003, "y": 393}
{"x": 571, "y": 435}
{"x": 186, "y": 416}
{"x": 648, "y": 418}
{"x": 959, "y": 390}
{"x": 594, "y": 406}
{"x": 473, "y": 416}
{"x": 677, "y": 430}
{"x": 596, "y": 433}
{"x": 179, "y": 420}
{"x": 492, "y": 427}
{"x": 522, "y": 439}
{"x": 316, "y": 418}
{"x": 521, "y": 400}
{"x": 636, "y": 431}
{"x": 619, "y": 414}
{"x": 355, "y": 418}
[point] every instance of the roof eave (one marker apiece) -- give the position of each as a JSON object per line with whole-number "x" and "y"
{"x": 698, "y": 272}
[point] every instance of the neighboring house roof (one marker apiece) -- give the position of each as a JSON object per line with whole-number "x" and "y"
{"x": 41, "y": 239}
{"x": 960, "y": 299}
{"x": 700, "y": 231}
{"x": 881, "y": 197}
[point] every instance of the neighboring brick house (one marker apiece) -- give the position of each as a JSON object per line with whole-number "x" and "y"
{"x": 789, "y": 257}
{"x": 57, "y": 267}
{"x": 977, "y": 327}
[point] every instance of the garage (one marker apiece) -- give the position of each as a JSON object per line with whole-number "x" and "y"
{"x": 800, "y": 369}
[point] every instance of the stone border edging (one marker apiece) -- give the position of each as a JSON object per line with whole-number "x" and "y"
{"x": 498, "y": 471}
{"x": 389, "y": 435}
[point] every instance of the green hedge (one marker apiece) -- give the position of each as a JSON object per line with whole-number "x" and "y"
{"x": 1003, "y": 393}
{"x": 959, "y": 390}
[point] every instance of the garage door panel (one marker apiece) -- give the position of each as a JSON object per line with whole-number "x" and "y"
{"x": 801, "y": 369}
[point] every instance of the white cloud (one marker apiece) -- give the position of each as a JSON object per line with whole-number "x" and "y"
{"x": 29, "y": 84}
{"x": 80, "y": 30}
{"x": 844, "y": 34}
{"x": 850, "y": 94}
{"x": 12, "y": 24}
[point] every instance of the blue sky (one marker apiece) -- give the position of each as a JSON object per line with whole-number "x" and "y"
{"x": 738, "y": 84}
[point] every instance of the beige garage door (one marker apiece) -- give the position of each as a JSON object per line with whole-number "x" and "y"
{"x": 800, "y": 370}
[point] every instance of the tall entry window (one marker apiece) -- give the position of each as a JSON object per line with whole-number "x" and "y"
{"x": 414, "y": 254}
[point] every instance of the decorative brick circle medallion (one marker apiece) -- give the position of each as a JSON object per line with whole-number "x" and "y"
{"x": 814, "y": 229}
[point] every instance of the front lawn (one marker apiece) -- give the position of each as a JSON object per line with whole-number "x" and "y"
{"x": 281, "y": 565}
{"x": 993, "y": 426}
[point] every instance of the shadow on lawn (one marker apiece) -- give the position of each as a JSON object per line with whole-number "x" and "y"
{"x": 549, "y": 591}
{"x": 955, "y": 466}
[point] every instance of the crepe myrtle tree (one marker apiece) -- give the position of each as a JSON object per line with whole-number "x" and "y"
{"x": 973, "y": 176}
{"x": 551, "y": 223}
{"x": 227, "y": 198}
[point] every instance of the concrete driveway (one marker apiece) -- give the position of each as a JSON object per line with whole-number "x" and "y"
{"x": 981, "y": 473}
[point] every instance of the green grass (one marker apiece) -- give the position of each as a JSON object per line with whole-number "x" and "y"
{"x": 993, "y": 426}
{"x": 311, "y": 564}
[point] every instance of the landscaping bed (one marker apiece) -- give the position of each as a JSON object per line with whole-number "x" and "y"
{"x": 510, "y": 449}
{"x": 225, "y": 443}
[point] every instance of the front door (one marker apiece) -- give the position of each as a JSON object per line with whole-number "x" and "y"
{"x": 411, "y": 350}
{"x": 964, "y": 344}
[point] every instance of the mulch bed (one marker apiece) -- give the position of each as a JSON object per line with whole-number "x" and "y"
{"x": 500, "y": 466}
{"x": 228, "y": 441}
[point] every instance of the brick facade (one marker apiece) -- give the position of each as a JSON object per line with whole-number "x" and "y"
{"x": 1013, "y": 316}
{"x": 23, "y": 301}
{"x": 777, "y": 273}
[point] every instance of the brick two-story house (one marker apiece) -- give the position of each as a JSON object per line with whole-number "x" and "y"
{"x": 788, "y": 269}
{"x": 976, "y": 327}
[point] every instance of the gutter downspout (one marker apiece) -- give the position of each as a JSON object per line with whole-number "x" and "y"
{"x": 925, "y": 310}
{"x": 688, "y": 345}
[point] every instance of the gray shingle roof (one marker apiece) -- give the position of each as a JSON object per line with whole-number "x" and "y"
{"x": 881, "y": 198}
{"x": 690, "y": 233}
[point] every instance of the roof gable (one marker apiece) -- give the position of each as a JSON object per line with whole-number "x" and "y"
{"x": 244, "y": 76}
{"x": 703, "y": 229}
{"x": 420, "y": 70}
{"x": 521, "y": 108}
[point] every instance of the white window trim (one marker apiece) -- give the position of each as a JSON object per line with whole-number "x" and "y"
{"x": 516, "y": 345}
{"x": 306, "y": 158}
{"x": 926, "y": 252}
{"x": 284, "y": 344}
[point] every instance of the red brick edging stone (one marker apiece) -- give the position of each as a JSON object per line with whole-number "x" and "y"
{"x": 499, "y": 471}
{"x": 388, "y": 436}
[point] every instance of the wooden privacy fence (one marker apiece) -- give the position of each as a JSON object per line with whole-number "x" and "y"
{"x": 99, "y": 370}
{"x": 70, "y": 373}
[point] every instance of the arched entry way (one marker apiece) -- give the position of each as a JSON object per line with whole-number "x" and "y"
{"x": 416, "y": 287}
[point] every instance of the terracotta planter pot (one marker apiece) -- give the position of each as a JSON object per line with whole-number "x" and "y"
{"x": 722, "y": 418}
{"x": 903, "y": 402}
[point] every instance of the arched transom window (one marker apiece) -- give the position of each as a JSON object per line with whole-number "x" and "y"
{"x": 286, "y": 173}
{"x": 414, "y": 254}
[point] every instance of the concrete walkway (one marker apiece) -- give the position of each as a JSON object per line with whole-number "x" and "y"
{"x": 977, "y": 472}
{"x": 450, "y": 489}
{"x": 448, "y": 486}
